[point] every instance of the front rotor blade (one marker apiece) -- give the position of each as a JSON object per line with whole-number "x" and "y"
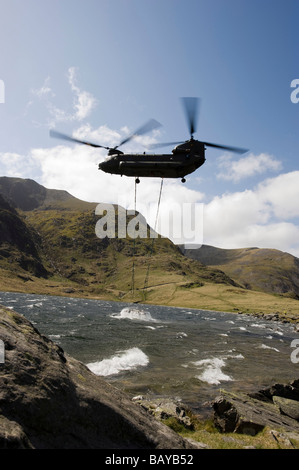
{"x": 147, "y": 127}
{"x": 226, "y": 147}
{"x": 191, "y": 110}
{"x": 59, "y": 135}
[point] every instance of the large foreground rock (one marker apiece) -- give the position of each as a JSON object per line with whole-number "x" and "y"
{"x": 50, "y": 400}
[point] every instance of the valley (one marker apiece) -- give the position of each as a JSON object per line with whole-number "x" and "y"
{"x": 48, "y": 246}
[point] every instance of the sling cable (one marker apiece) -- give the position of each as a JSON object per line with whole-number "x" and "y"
{"x": 145, "y": 286}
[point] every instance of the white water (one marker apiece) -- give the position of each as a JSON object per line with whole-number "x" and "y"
{"x": 212, "y": 371}
{"x": 131, "y": 313}
{"x": 264, "y": 346}
{"x": 211, "y": 368}
{"x": 125, "y": 360}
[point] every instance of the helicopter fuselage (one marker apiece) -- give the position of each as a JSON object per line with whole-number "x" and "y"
{"x": 185, "y": 159}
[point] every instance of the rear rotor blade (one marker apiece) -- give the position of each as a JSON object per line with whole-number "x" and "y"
{"x": 147, "y": 127}
{"x": 191, "y": 110}
{"x": 59, "y": 135}
{"x": 226, "y": 147}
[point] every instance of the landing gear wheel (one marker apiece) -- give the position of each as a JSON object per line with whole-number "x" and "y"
{"x": 183, "y": 180}
{"x": 137, "y": 180}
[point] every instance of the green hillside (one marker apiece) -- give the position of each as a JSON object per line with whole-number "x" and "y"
{"x": 62, "y": 230}
{"x": 260, "y": 269}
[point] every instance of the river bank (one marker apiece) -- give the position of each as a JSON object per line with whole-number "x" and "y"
{"x": 210, "y": 297}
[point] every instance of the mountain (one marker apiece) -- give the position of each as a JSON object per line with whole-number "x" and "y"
{"x": 48, "y": 245}
{"x": 260, "y": 269}
{"x": 62, "y": 236}
{"x": 27, "y": 195}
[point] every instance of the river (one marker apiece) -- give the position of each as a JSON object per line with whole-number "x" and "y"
{"x": 158, "y": 351}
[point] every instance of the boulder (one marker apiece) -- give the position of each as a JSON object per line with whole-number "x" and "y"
{"x": 232, "y": 414}
{"x": 247, "y": 415}
{"x": 165, "y": 408}
{"x": 289, "y": 390}
{"x": 50, "y": 400}
{"x": 287, "y": 407}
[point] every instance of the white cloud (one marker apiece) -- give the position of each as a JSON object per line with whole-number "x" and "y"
{"x": 101, "y": 135}
{"x": 264, "y": 216}
{"x": 44, "y": 91}
{"x": 84, "y": 101}
{"x": 18, "y": 166}
{"x": 251, "y": 165}
{"x": 67, "y": 168}
{"x": 283, "y": 194}
{"x": 57, "y": 115}
{"x": 281, "y": 236}
{"x": 231, "y": 211}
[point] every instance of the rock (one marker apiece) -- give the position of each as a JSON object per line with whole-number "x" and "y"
{"x": 232, "y": 416}
{"x": 244, "y": 414}
{"x": 165, "y": 408}
{"x": 281, "y": 439}
{"x": 225, "y": 417}
{"x": 50, "y": 400}
{"x": 138, "y": 398}
{"x": 69, "y": 290}
{"x": 12, "y": 435}
{"x": 287, "y": 407}
{"x": 290, "y": 390}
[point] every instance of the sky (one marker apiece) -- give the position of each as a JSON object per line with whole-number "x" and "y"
{"x": 99, "y": 69}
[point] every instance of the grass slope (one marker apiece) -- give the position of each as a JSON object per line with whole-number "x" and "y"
{"x": 265, "y": 270}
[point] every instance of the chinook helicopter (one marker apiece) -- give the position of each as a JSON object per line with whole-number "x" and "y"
{"x": 185, "y": 158}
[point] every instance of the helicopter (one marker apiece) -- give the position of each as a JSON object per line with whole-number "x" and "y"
{"x": 185, "y": 158}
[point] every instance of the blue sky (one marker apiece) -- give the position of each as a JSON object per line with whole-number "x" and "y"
{"x": 101, "y": 68}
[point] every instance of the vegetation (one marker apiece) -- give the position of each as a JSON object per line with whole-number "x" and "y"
{"x": 205, "y": 432}
{"x": 265, "y": 270}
